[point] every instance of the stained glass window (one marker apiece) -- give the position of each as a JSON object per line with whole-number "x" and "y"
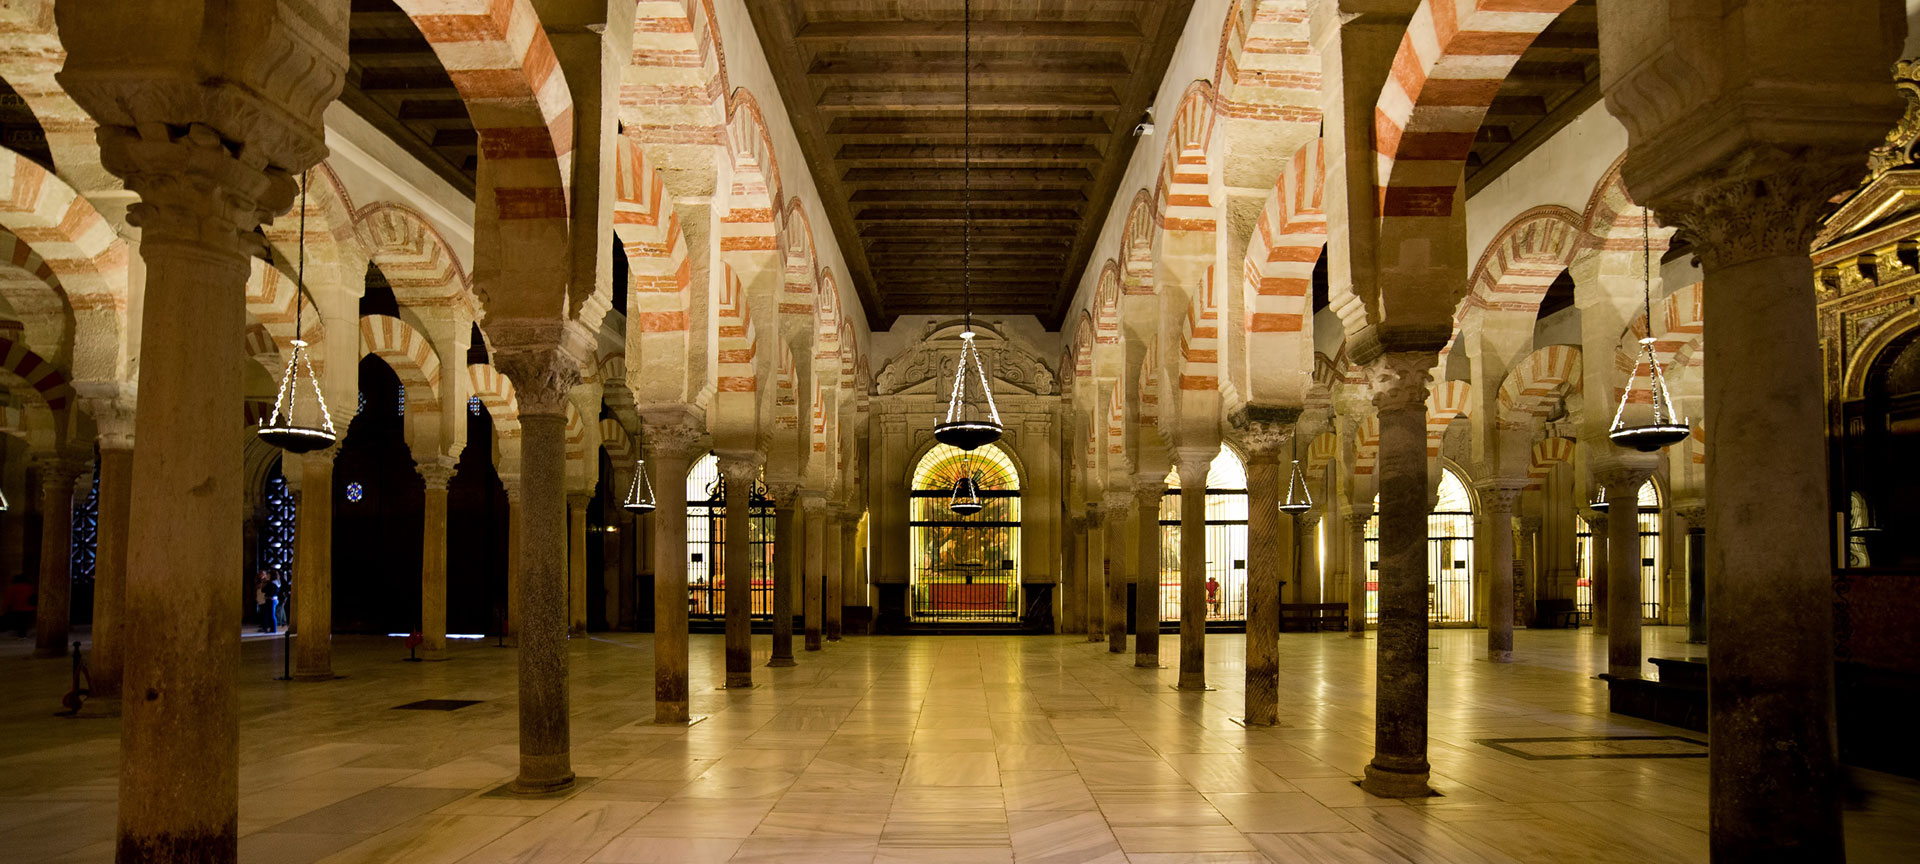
{"x": 474, "y": 407}
{"x": 355, "y": 492}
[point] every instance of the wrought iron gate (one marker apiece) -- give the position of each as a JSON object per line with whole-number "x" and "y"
{"x": 965, "y": 567}
{"x": 707, "y": 542}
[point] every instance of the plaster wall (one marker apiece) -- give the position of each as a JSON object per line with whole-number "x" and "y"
{"x": 908, "y": 331}
{"x": 373, "y": 168}
{"x": 1562, "y": 171}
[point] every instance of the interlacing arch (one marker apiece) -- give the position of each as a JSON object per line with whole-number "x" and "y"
{"x": 1545, "y": 377}
{"x": 1547, "y": 452}
{"x": 1448, "y": 400}
{"x": 1521, "y": 263}
{"x": 410, "y": 355}
{"x": 1449, "y": 66}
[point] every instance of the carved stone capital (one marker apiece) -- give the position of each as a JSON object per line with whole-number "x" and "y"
{"x": 436, "y": 472}
{"x": 1500, "y": 495}
{"x": 814, "y": 502}
{"x": 1401, "y": 380}
{"x": 60, "y": 469}
{"x": 542, "y": 377}
{"x": 1694, "y": 511}
{"x": 1193, "y": 463}
{"x": 1117, "y": 501}
{"x": 1357, "y": 520}
{"x": 784, "y": 495}
{"x": 1264, "y": 429}
{"x": 1596, "y": 520}
{"x": 1764, "y": 203}
{"x": 739, "y": 466}
{"x": 111, "y": 405}
{"x": 1530, "y": 526}
{"x": 194, "y": 190}
{"x": 1622, "y": 472}
{"x": 510, "y": 483}
{"x": 676, "y": 435}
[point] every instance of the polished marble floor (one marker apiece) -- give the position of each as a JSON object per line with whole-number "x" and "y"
{"x": 910, "y": 749}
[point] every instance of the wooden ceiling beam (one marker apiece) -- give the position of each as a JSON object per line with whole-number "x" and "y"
{"x": 890, "y": 33}
{"x": 927, "y": 68}
{"x": 960, "y": 196}
{"x": 954, "y": 127}
{"x": 954, "y": 154}
{"x": 840, "y": 100}
{"x": 1024, "y": 177}
{"x": 954, "y": 217}
{"x": 887, "y": 231}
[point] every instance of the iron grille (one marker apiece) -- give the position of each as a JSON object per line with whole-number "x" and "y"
{"x": 707, "y": 543}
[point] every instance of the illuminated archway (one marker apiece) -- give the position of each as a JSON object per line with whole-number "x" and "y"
{"x": 1449, "y": 555}
{"x": 1226, "y": 541}
{"x": 707, "y": 542}
{"x": 965, "y": 567}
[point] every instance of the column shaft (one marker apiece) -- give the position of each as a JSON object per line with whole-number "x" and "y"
{"x": 1399, "y": 768}
{"x": 514, "y": 509}
{"x": 816, "y": 563}
{"x": 1598, "y": 571}
{"x": 1264, "y": 551}
{"x": 1307, "y": 552}
{"x": 670, "y": 584}
{"x": 1146, "y": 598}
{"x": 784, "y": 577}
{"x": 545, "y": 743}
{"x": 1498, "y": 505}
{"x": 1623, "y": 581}
{"x": 52, "y": 622}
{"x": 577, "y": 563}
{"x": 1193, "y": 570}
{"x": 1358, "y": 572}
{"x": 1696, "y": 584}
{"x": 833, "y": 578}
{"x": 1118, "y": 573}
{"x": 110, "y": 570}
{"x": 313, "y": 566}
{"x": 1097, "y": 565}
{"x": 433, "y": 570}
{"x": 1073, "y": 576}
{"x": 738, "y": 569}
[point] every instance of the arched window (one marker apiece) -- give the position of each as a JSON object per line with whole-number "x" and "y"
{"x": 966, "y": 567}
{"x": 707, "y": 542}
{"x": 1449, "y": 555}
{"x": 1226, "y": 541}
{"x": 1652, "y": 585}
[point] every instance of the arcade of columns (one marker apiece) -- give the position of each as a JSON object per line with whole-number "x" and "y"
{"x": 1327, "y": 128}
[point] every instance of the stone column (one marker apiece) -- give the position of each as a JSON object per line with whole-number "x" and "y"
{"x": 1526, "y": 604}
{"x": 1116, "y": 503}
{"x": 1358, "y": 573}
{"x": 1096, "y": 580}
{"x": 1623, "y": 571}
{"x": 110, "y": 561}
{"x": 1597, "y": 570}
{"x": 1147, "y": 493}
{"x": 741, "y": 471}
{"x": 510, "y": 483}
{"x": 618, "y": 537}
{"x": 1267, "y": 545}
{"x": 830, "y": 576}
{"x": 1497, "y": 499}
{"x": 1695, "y": 514}
{"x": 1399, "y": 768}
{"x": 433, "y": 559}
{"x": 786, "y": 542}
{"x": 313, "y": 568}
{"x": 1193, "y": 465}
{"x": 541, "y": 379}
{"x": 577, "y": 562}
{"x": 1306, "y": 540}
{"x": 671, "y": 439}
{"x": 815, "y": 563}
{"x": 1073, "y": 573}
{"x": 839, "y": 579}
{"x": 51, "y": 624}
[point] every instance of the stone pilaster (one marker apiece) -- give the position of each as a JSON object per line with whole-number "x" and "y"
{"x": 114, "y": 418}
{"x": 434, "y": 475}
{"x": 1269, "y": 553}
{"x": 1117, "y": 502}
{"x": 1399, "y": 768}
{"x": 740, "y": 470}
{"x": 1497, "y": 500}
{"x": 313, "y": 568}
{"x": 1358, "y": 573}
{"x": 786, "y": 553}
{"x": 53, "y": 620}
{"x": 814, "y": 508}
{"x": 671, "y": 439}
{"x": 1193, "y": 464}
{"x": 577, "y": 562}
{"x": 542, "y": 378}
{"x": 1147, "y": 492}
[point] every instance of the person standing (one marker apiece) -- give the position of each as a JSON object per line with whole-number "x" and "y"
{"x": 263, "y": 601}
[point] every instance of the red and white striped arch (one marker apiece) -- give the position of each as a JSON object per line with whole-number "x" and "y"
{"x": 1366, "y": 448}
{"x": 1136, "y": 263}
{"x": 1324, "y": 448}
{"x": 1547, "y": 452}
{"x": 1266, "y": 67}
{"x": 1449, "y": 66}
{"x": 615, "y": 440}
{"x": 1115, "y": 426}
{"x": 1106, "y": 305}
{"x": 1448, "y": 400}
{"x": 660, "y": 276}
{"x": 1183, "y": 191}
{"x": 79, "y": 247}
{"x": 417, "y": 261}
{"x": 1200, "y": 340}
{"x": 1521, "y": 263}
{"x": 1148, "y": 404}
{"x": 734, "y": 326}
{"x": 410, "y": 355}
{"x": 751, "y": 222}
{"x": 1545, "y": 377}
{"x": 673, "y": 92}
{"x": 1287, "y": 242}
{"x": 495, "y": 392}
{"x": 1681, "y": 318}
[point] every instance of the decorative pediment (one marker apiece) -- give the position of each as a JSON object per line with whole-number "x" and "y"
{"x": 928, "y": 367}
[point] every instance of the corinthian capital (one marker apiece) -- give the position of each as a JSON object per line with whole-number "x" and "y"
{"x": 1401, "y": 379}
{"x": 1766, "y": 202}
{"x": 542, "y": 377}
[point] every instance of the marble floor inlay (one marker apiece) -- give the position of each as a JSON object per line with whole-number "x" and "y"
{"x": 959, "y": 749}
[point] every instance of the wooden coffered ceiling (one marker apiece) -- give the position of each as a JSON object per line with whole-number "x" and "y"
{"x": 396, "y": 82}
{"x": 874, "y": 89}
{"x": 1556, "y": 79}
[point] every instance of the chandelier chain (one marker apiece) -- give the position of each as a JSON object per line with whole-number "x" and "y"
{"x": 966, "y": 159}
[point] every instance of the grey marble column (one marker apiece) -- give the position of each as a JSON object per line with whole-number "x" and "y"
{"x": 785, "y": 546}
{"x": 1147, "y": 493}
{"x": 110, "y": 564}
{"x": 1193, "y": 465}
{"x": 1497, "y": 500}
{"x": 52, "y": 622}
{"x": 741, "y": 471}
{"x": 1399, "y": 768}
{"x": 1526, "y": 605}
{"x": 577, "y": 562}
{"x": 541, "y": 379}
{"x": 510, "y": 484}
{"x": 1073, "y": 574}
{"x": 1096, "y": 604}
{"x": 1357, "y": 571}
{"x": 1118, "y": 575}
{"x": 671, "y": 447}
{"x": 1267, "y": 545}
{"x": 1307, "y": 575}
{"x": 849, "y": 579}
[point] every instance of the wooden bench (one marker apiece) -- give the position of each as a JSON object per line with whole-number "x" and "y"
{"x": 1313, "y": 617}
{"x": 1557, "y": 612}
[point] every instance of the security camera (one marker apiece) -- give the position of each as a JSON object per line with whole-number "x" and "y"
{"x": 1145, "y": 127}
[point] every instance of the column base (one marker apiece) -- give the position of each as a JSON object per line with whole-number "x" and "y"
{"x": 438, "y": 655}
{"x": 1148, "y": 662}
{"x": 739, "y": 682}
{"x": 1499, "y": 656}
{"x": 813, "y": 643}
{"x": 1388, "y": 783}
{"x": 540, "y": 786}
{"x": 99, "y": 706}
{"x": 1194, "y": 685}
{"x": 1357, "y": 632}
{"x": 1097, "y": 637}
{"x": 314, "y": 676}
{"x": 782, "y": 662}
{"x": 671, "y": 714}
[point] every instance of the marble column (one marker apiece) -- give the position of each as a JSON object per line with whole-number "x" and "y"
{"x": 1073, "y": 573}
{"x": 1597, "y": 569}
{"x": 1623, "y": 573}
{"x": 815, "y": 564}
{"x": 110, "y": 563}
{"x": 1695, "y": 516}
{"x": 671, "y": 442}
{"x": 840, "y": 579}
{"x": 52, "y": 622}
{"x": 1268, "y": 543}
{"x": 1358, "y": 573}
{"x": 741, "y": 471}
{"x": 1096, "y": 581}
{"x": 1193, "y": 465}
{"x": 1526, "y": 605}
{"x": 830, "y": 580}
{"x": 541, "y": 379}
{"x": 433, "y": 559}
{"x": 577, "y": 562}
{"x": 1147, "y": 493}
{"x": 510, "y": 483}
{"x": 1399, "y": 768}
{"x": 1497, "y": 500}
{"x": 1118, "y": 575}
{"x": 614, "y": 541}
{"x": 313, "y": 568}
{"x": 1307, "y": 543}
{"x": 786, "y": 545}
